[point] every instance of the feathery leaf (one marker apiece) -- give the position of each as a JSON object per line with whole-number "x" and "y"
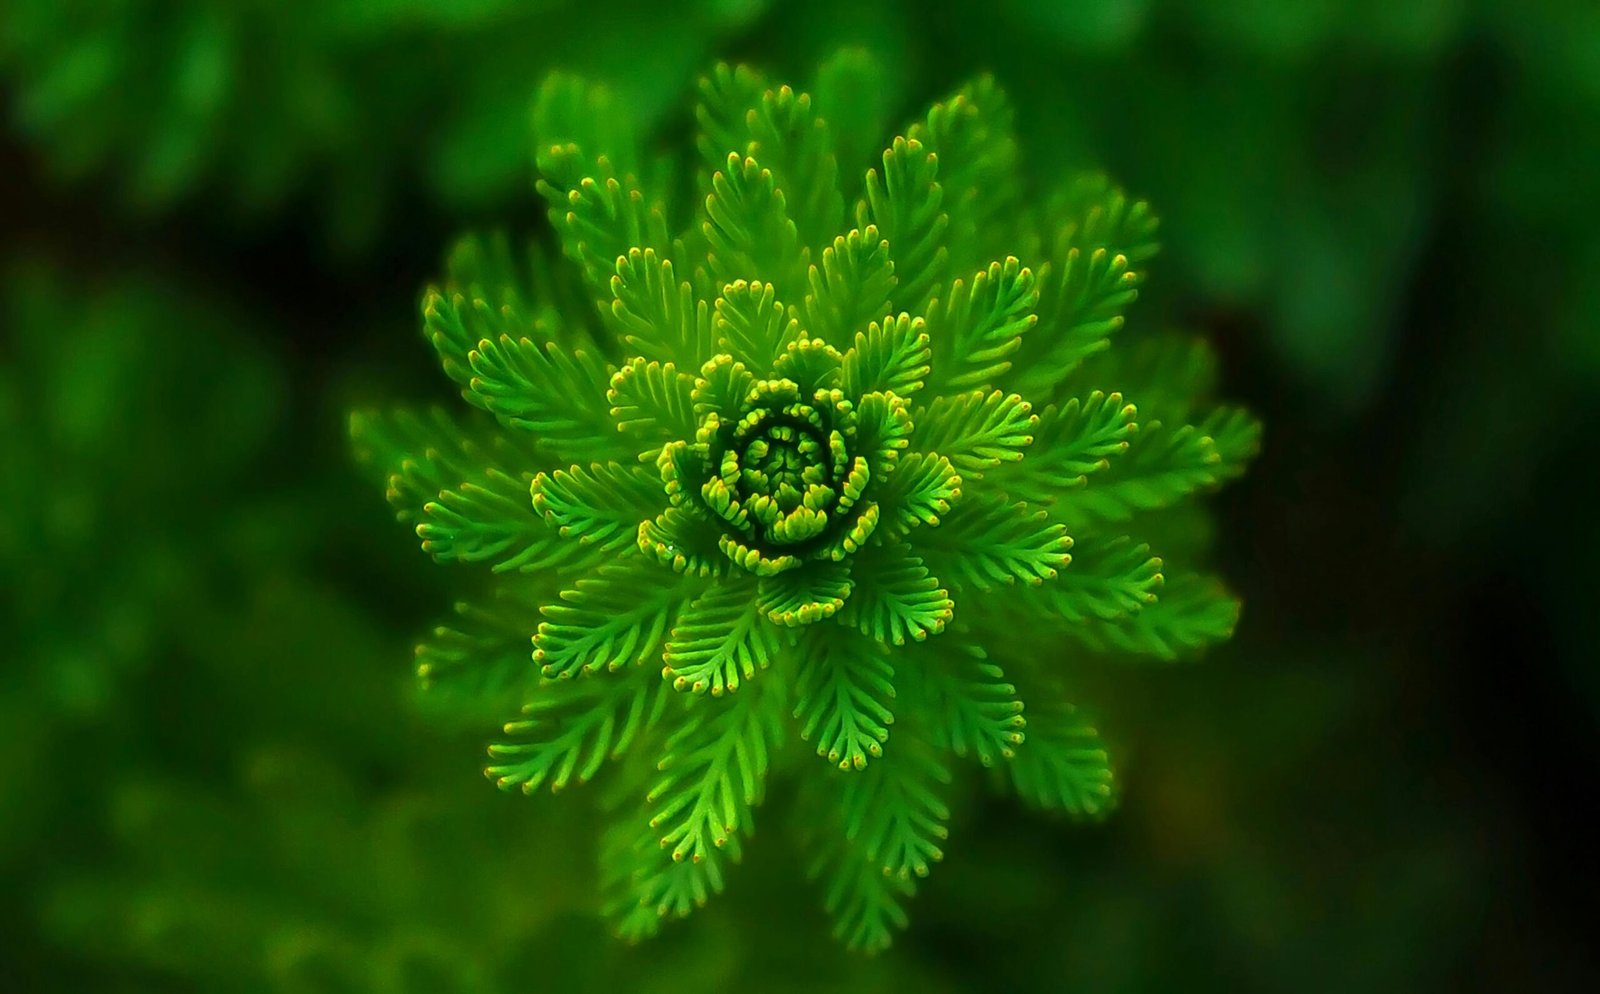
{"x": 896, "y": 598}
{"x": 844, "y": 695}
{"x": 487, "y": 518}
{"x": 713, "y": 772}
{"x": 1095, "y": 270}
{"x": 987, "y": 541}
{"x": 480, "y": 655}
{"x": 653, "y": 401}
{"x": 971, "y": 133}
{"x": 973, "y": 329}
{"x": 894, "y": 811}
{"x": 1070, "y": 443}
{"x": 921, "y": 491}
{"x": 751, "y": 324}
{"x": 969, "y": 707}
{"x": 557, "y": 395}
{"x": 748, "y": 229}
{"x": 890, "y": 355}
{"x": 1163, "y": 465}
{"x": 616, "y": 618}
{"x": 727, "y": 95}
{"x": 866, "y": 904}
{"x": 852, "y": 286}
{"x": 1192, "y": 612}
{"x": 794, "y": 142}
{"x": 905, "y": 207}
{"x": 599, "y": 505}
{"x": 569, "y": 728}
{"x": 721, "y": 638}
{"x": 976, "y": 431}
{"x": 813, "y": 592}
{"x": 657, "y": 313}
{"x": 1064, "y": 765}
{"x": 811, "y": 363}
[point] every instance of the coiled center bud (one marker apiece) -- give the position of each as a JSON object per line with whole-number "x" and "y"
{"x": 776, "y": 471}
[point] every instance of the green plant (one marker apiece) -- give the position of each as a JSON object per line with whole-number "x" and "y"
{"x": 863, "y": 488}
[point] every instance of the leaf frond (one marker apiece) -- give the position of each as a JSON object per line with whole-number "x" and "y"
{"x": 896, "y": 811}
{"x": 1064, "y": 765}
{"x": 721, "y": 639}
{"x": 896, "y": 598}
{"x": 790, "y": 138}
{"x": 748, "y": 229}
{"x": 1194, "y": 611}
{"x": 813, "y": 592}
{"x": 970, "y": 707}
{"x": 713, "y": 771}
{"x": 656, "y": 313}
{"x": 988, "y": 541}
{"x": 653, "y": 401}
{"x": 977, "y": 431}
{"x": 851, "y": 286}
{"x": 867, "y": 905}
{"x": 570, "y": 728}
{"x": 843, "y": 695}
{"x": 479, "y": 655}
{"x": 556, "y": 395}
{"x": 1071, "y": 442}
{"x": 906, "y": 206}
{"x": 614, "y": 619}
{"x": 752, "y": 325}
{"x": 972, "y": 135}
{"x": 890, "y": 355}
{"x": 921, "y": 492}
{"x": 1096, "y": 266}
{"x": 974, "y": 328}
{"x": 1164, "y": 465}
{"x": 600, "y": 505}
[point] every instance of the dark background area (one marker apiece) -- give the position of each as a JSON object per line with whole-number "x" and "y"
{"x": 1386, "y": 780}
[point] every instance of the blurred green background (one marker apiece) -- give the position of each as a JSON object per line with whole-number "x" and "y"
{"x": 215, "y": 774}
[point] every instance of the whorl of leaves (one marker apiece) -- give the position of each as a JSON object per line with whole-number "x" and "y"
{"x": 800, "y": 469}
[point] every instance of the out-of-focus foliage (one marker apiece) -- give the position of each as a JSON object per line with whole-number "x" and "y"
{"x": 124, "y": 517}
{"x": 1301, "y": 152}
{"x": 432, "y": 886}
{"x": 258, "y": 106}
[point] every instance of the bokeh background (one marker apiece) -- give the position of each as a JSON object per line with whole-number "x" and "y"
{"x": 216, "y": 217}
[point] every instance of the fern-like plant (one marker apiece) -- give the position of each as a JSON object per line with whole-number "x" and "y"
{"x": 837, "y": 455}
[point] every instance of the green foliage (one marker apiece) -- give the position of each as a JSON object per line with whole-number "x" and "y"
{"x": 894, "y": 811}
{"x": 569, "y": 728}
{"x": 250, "y": 107}
{"x": 720, "y": 639}
{"x": 816, "y": 478}
{"x": 133, "y": 414}
{"x": 1066, "y": 768}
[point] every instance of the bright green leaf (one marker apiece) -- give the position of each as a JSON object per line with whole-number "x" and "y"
{"x": 614, "y": 619}
{"x": 975, "y": 329}
{"x": 850, "y": 288}
{"x": 890, "y": 355}
{"x": 987, "y": 541}
{"x": 977, "y": 431}
{"x": 844, "y": 695}
{"x": 721, "y": 638}
{"x": 896, "y": 598}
